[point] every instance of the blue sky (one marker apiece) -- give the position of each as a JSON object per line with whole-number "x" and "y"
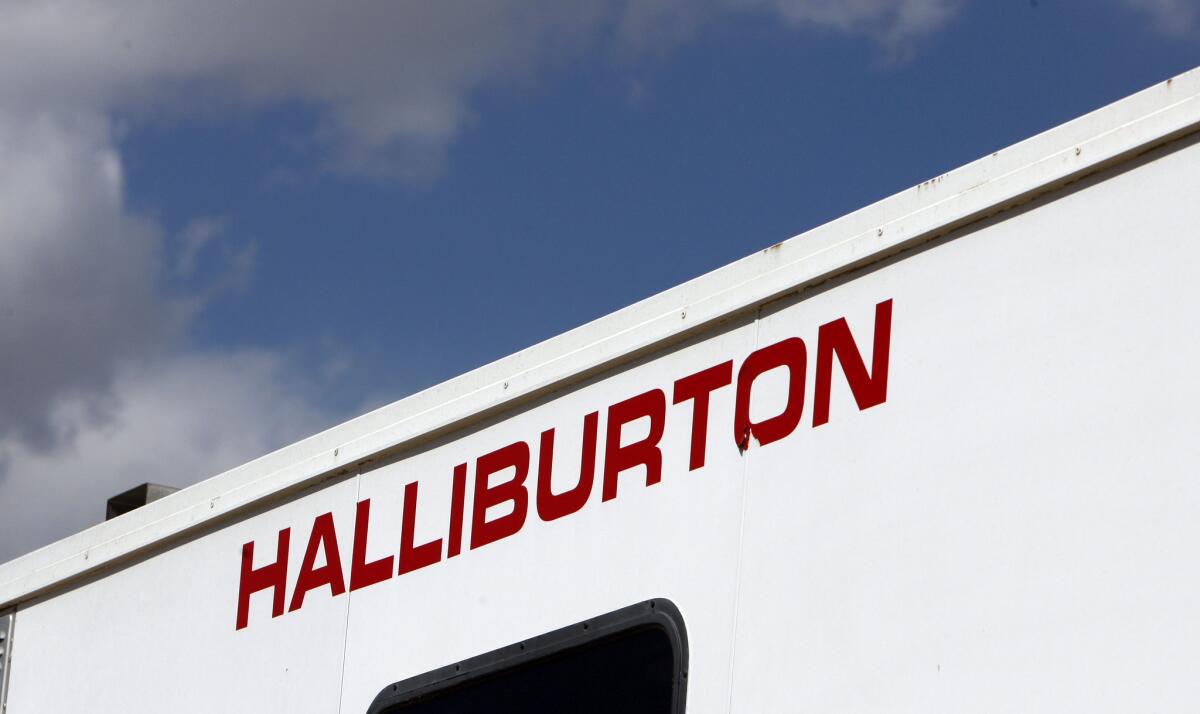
{"x": 241, "y": 229}
{"x": 601, "y": 183}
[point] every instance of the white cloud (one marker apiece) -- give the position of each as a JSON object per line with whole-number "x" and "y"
{"x": 894, "y": 20}
{"x": 197, "y": 235}
{"x": 657, "y": 26}
{"x": 1175, "y": 18}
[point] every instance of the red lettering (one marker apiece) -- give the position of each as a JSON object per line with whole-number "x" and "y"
{"x": 834, "y": 338}
{"x": 514, "y": 456}
{"x": 323, "y": 536}
{"x": 617, "y": 458}
{"x": 790, "y": 353}
{"x": 457, "y": 495}
{"x": 363, "y": 573}
{"x": 551, "y": 505}
{"x": 835, "y": 341}
{"x": 272, "y": 576}
{"x": 698, "y": 388}
{"x": 415, "y": 557}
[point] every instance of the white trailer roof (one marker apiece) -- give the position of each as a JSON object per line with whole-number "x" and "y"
{"x": 984, "y": 187}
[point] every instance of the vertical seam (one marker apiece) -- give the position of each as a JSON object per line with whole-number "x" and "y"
{"x": 737, "y": 573}
{"x": 346, "y": 622}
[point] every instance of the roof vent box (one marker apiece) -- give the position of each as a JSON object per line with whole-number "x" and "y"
{"x": 136, "y": 497}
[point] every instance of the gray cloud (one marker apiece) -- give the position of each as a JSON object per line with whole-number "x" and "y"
{"x": 78, "y": 274}
{"x": 173, "y": 421}
{"x": 101, "y": 390}
{"x": 392, "y": 81}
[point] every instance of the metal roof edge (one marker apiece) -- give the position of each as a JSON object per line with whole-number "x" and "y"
{"x": 1095, "y": 141}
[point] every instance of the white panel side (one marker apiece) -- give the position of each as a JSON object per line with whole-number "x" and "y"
{"x": 1014, "y": 530}
{"x": 1013, "y": 526}
{"x": 980, "y": 188}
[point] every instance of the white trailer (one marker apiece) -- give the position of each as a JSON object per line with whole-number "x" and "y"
{"x": 939, "y": 455}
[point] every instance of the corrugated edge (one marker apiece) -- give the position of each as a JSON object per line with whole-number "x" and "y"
{"x": 1006, "y": 178}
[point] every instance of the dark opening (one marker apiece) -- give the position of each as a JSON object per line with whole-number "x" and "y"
{"x": 629, "y": 662}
